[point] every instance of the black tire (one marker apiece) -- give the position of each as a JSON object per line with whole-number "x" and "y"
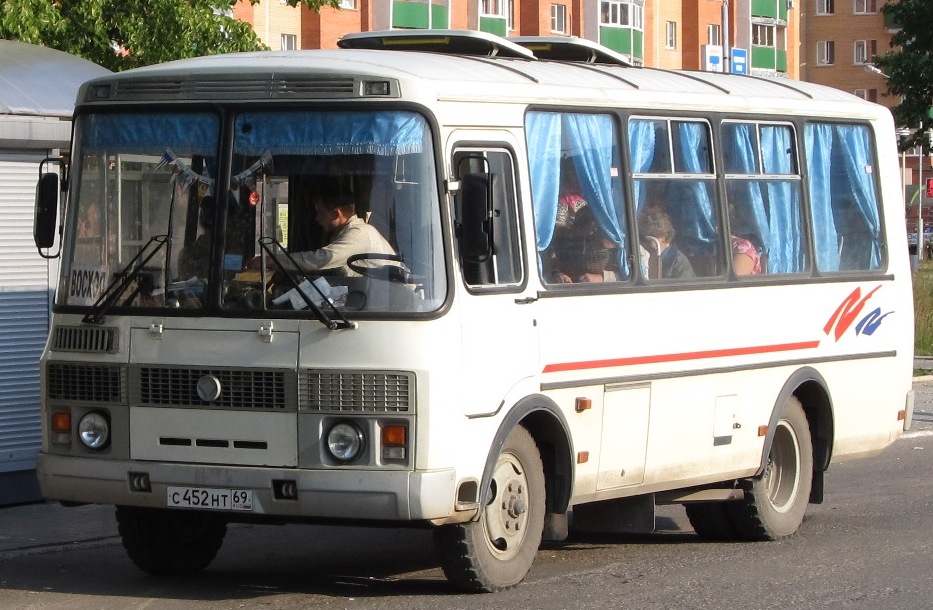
{"x": 169, "y": 542}
{"x": 711, "y": 521}
{"x": 775, "y": 503}
{"x": 496, "y": 551}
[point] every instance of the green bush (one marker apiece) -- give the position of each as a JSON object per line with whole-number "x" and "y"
{"x": 923, "y": 309}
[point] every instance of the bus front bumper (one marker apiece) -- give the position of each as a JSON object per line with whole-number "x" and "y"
{"x": 378, "y": 495}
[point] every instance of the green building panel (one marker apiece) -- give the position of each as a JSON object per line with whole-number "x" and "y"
{"x": 764, "y": 58}
{"x": 493, "y": 25}
{"x": 765, "y": 8}
{"x": 440, "y": 16}
{"x": 619, "y": 40}
{"x": 410, "y": 15}
{"x": 770, "y": 8}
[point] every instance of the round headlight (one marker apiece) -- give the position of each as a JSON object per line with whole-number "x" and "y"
{"x": 345, "y": 442}
{"x": 94, "y": 430}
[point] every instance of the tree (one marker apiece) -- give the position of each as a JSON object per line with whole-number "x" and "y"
{"x": 131, "y": 33}
{"x": 909, "y": 66}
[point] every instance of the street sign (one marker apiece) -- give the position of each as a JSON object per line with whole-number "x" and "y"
{"x": 739, "y": 61}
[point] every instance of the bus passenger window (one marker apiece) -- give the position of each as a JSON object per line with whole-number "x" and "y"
{"x": 580, "y": 222}
{"x": 843, "y": 197}
{"x": 676, "y": 199}
{"x": 764, "y": 201}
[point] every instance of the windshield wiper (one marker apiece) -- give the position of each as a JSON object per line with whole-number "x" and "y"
{"x": 266, "y": 244}
{"x": 124, "y": 278}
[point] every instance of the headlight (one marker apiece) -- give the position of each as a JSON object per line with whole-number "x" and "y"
{"x": 94, "y": 430}
{"x": 345, "y": 442}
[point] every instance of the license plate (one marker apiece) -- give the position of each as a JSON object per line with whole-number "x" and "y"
{"x": 208, "y": 498}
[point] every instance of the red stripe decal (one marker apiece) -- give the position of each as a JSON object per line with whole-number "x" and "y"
{"x": 716, "y": 353}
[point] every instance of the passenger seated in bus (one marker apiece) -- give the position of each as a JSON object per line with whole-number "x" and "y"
{"x": 746, "y": 260}
{"x": 582, "y": 251}
{"x": 657, "y": 234}
{"x": 335, "y": 211}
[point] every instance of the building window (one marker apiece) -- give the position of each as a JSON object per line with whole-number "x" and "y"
{"x": 559, "y": 18}
{"x": 493, "y": 8}
{"x": 510, "y": 16}
{"x": 825, "y": 7}
{"x": 621, "y": 12}
{"x": 348, "y": 4}
{"x": 638, "y": 17}
{"x": 863, "y": 7}
{"x": 825, "y": 53}
{"x": 870, "y": 95}
{"x": 614, "y": 13}
{"x": 289, "y": 42}
{"x": 713, "y": 34}
{"x": 670, "y": 41}
{"x": 762, "y": 35}
{"x": 865, "y": 50}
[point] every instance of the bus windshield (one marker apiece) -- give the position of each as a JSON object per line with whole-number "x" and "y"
{"x": 322, "y": 209}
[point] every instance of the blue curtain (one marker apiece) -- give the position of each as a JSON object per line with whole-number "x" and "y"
{"x": 818, "y": 143}
{"x": 296, "y": 132}
{"x": 740, "y": 151}
{"x": 695, "y": 213}
{"x": 641, "y": 138}
{"x": 592, "y": 142}
{"x": 786, "y": 254}
{"x": 856, "y": 154}
{"x": 543, "y": 136}
{"x": 146, "y": 133}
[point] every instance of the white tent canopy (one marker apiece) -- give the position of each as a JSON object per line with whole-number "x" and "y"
{"x": 39, "y": 81}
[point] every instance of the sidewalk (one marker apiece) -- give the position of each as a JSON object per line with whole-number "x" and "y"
{"x": 44, "y": 526}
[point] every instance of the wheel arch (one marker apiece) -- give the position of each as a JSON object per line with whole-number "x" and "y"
{"x": 544, "y": 421}
{"x": 810, "y": 388}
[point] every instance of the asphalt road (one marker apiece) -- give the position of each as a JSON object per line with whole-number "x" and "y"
{"x": 867, "y": 547}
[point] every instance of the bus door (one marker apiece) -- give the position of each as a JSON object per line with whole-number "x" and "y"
{"x": 499, "y": 338}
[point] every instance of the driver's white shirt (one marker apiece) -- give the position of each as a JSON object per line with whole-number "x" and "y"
{"x": 354, "y": 237}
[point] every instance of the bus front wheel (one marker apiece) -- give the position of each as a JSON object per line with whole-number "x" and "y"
{"x": 168, "y": 542}
{"x": 496, "y": 551}
{"x": 776, "y": 501}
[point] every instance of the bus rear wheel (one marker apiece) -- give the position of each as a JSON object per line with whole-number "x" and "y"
{"x": 711, "y": 521}
{"x": 496, "y": 551}
{"x": 168, "y": 542}
{"x": 775, "y": 502}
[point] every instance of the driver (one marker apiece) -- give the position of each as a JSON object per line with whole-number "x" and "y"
{"x": 335, "y": 211}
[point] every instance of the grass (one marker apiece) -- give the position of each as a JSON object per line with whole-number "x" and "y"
{"x": 923, "y": 309}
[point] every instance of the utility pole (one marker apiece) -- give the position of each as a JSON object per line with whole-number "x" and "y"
{"x": 726, "y": 49}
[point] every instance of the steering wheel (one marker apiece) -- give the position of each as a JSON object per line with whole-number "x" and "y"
{"x": 392, "y": 273}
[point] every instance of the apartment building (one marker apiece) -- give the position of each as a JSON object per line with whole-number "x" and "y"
{"x": 686, "y": 34}
{"x": 840, "y": 39}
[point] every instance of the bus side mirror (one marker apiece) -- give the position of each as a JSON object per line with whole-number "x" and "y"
{"x": 46, "y": 211}
{"x": 476, "y": 217}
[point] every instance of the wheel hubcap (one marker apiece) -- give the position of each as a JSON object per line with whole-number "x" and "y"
{"x": 506, "y": 515}
{"x": 782, "y": 474}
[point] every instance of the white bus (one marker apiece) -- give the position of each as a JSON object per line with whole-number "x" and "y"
{"x": 609, "y": 288}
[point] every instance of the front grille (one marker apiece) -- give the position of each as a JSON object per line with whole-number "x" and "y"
{"x": 85, "y": 339}
{"x": 364, "y": 391}
{"x": 239, "y": 389}
{"x": 99, "y": 383}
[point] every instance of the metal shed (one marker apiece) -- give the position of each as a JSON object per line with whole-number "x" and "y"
{"x": 37, "y": 93}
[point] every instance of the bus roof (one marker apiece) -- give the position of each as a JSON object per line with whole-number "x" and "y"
{"x": 338, "y": 74}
